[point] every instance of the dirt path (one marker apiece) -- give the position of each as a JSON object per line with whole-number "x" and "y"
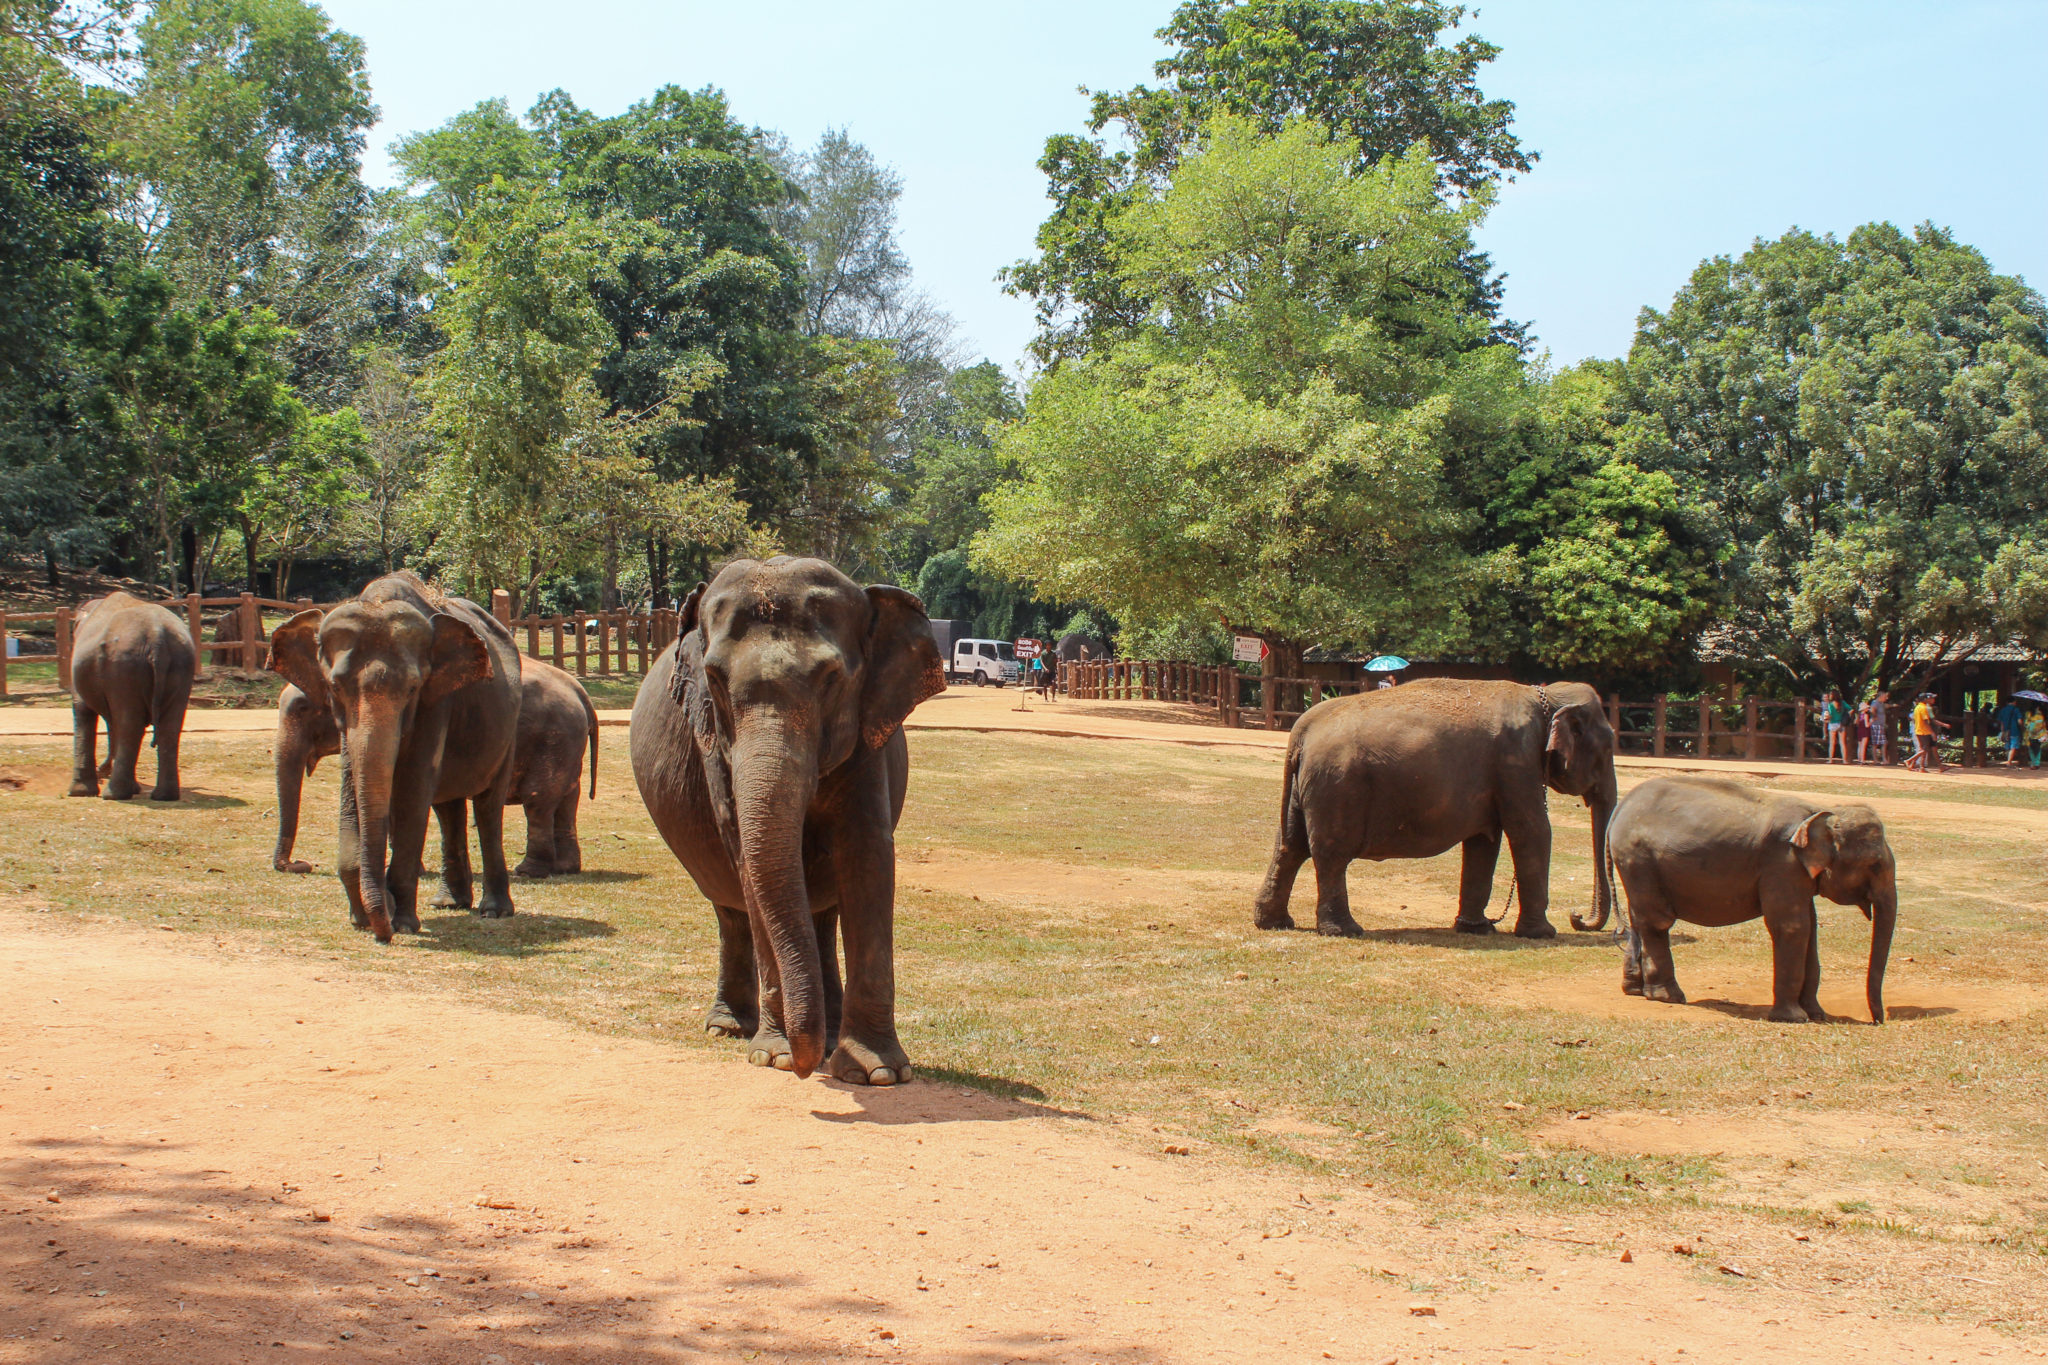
{"x": 217, "y": 1154}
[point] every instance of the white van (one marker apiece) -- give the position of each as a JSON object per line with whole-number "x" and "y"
{"x": 985, "y": 661}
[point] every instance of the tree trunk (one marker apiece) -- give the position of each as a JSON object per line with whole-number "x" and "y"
{"x": 50, "y": 565}
{"x": 608, "y": 597}
{"x": 188, "y": 536}
{"x": 249, "y": 553}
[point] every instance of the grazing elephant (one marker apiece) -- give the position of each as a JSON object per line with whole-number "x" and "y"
{"x": 768, "y": 746}
{"x": 1409, "y": 772}
{"x": 426, "y": 691}
{"x": 555, "y": 720}
{"x": 306, "y": 733}
{"x": 131, "y": 665}
{"x": 1712, "y": 852}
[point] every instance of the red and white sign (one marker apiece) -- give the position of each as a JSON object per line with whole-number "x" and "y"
{"x": 1248, "y": 649}
{"x": 1028, "y": 649}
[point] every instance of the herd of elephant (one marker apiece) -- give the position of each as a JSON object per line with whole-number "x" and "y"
{"x": 767, "y": 744}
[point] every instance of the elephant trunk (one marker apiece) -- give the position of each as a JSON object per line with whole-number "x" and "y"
{"x": 1601, "y": 804}
{"x": 373, "y": 766}
{"x": 1884, "y": 914}
{"x": 773, "y": 781}
{"x": 291, "y": 780}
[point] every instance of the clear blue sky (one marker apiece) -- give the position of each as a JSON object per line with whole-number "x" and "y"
{"x": 1668, "y": 132}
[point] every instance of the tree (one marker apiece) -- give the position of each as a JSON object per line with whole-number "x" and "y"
{"x": 1266, "y": 449}
{"x": 1375, "y": 74}
{"x": 395, "y": 457}
{"x": 299, "y": 491}
{"x": 1864, "y": 424}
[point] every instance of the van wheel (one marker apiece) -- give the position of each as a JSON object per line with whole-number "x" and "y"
{"x": 980, "y": 679}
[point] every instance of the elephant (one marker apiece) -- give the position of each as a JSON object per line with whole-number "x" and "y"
{"x": 1409, "y": 772}
{"x": 1713, "y": 852}
{"x": 306, "y": 733}
{"x": 555, "y": 720}
{"x": 426, "y": 691}
{"x": 767, "y": 743}
{"x": 131, "y": 664}
{"x": 555, "y": 717}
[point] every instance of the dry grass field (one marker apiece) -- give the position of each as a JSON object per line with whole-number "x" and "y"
{"x": 1074, "y": 932}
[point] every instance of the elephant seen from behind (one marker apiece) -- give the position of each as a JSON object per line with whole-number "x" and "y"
{"x": 1414, "y": 771}
{"x": 1712, "y": 852}
{"x": 768, "y": 746}
{"x": 131, "y": 666}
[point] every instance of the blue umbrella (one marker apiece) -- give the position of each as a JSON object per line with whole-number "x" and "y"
{"x": 2029, "y": 696}
{"x": 1387, "y": 663}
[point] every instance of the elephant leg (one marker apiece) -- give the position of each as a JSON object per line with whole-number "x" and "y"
{"x": 1809, "y": 992}
{"x": 490, "y": 846}
{"x": 409, "y": 812}
{"x": 168, "y": 731}
{"x": 457, "y": 891}
{"x": 1791, "y": 928}
{"x": 568, "y": 850}
{"x": 1270, "y": 910}
{"x": 736, "y": 1012}
{"x": 826, "y": 926}
{"x": 1660, "y": 977}
{"x": 348, "y": 849}
{"x": 85, "y": 745}
{"x": 540, "y": 840}
{"x": 1529, "y": 847}
{"x": 1333, "y": 898}
{"x": 1475, "y": 884}
{"x": 1632, "y": 962}
{"x": 864, "y": 866}
{"x": 124, "y": 741}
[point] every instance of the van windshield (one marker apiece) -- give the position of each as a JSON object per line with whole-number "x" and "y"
{"x": 1007, "y": 653}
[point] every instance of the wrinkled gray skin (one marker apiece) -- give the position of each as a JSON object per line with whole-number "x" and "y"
{"x": 555, "y": 717}
{"x": 306, "y": 733}
{"x": 1713, "y": 852}
{"x": 131, "y": 666}
{"x": 556, "y": 724}
{"x": 426, "y": 691}
{"x": 1414, "y": 771}
{"x": 768, "y": 746}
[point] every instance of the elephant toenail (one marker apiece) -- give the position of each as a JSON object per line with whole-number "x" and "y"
{"x": 785, "y": 1062}
{"x": 881, "y": 1075}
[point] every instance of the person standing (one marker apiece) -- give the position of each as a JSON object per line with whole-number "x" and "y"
{"x": 2036, "y": 733}
{"x": 1862, "y": 724}
{"x": 1927, "y": 728}
{"x": 2008, "y": 719}
{"x": 1880, "y": 733}
{"x": 1837, "y": 715}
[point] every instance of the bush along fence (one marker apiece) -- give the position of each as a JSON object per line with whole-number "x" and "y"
{"x": 1665, "y": 726}
{"x": 600, "y": 642}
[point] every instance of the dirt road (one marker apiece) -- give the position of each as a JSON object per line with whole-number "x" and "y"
{"x": 214, "y": 1153}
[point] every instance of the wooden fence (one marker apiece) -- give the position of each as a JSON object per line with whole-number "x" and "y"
{"x": 1665, "y": 726}
{"x": 613, "y": 640}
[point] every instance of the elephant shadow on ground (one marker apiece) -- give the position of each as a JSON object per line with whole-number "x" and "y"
{"x": 522, "y": 935}
{"x": 1502, "y": 940}
{"x": 587, "y": 878}
{"x": 1740, "y": 1009}
{"x": 945, "y": 1095}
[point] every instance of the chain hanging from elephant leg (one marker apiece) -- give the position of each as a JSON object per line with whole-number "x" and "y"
{"x": 1545, "y": 709}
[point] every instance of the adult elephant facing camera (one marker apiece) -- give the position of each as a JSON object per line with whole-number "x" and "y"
{"x": 1410, "y": 772}
{"x": 768, "y": 746}
{"x": 426, "y": 691}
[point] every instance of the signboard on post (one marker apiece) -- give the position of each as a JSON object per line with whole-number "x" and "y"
{"x": 1027, "y": 649}
{"x": 1247, "y": 649}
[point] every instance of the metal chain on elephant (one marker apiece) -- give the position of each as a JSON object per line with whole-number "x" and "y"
{"x": 1545, "y": 709}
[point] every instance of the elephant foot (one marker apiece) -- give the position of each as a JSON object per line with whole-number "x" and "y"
{"x": 771, "y": 1048}
{"x": 1814, "y": 1013}
{"x": 533, "y": 870}
{"x": 406, "y": 924}
{"x": 1670, "y": 994}
{"x": 81, "y": 786}
{"x": 164, "y": 794}
{"x": 1786, "y": 1014}
{"x": 494, "y": 909}
{"x": 1631, "y": 985}
{"x": 1473, "y": 926}
{"x": 725, "y": 1023}
{"x": 1283, "y": 920}
{"x": 291, "y": 865}
{"x": 859, "y": 1063}
{"x": 117, "y": 791}
{"x": 1535, "y": 928}
{"x": 1336, "y": 926}
{"x": 448, "y": 900}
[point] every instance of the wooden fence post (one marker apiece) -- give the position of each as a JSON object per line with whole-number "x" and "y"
{"x": 1749, "y": 727}
{"x": 642, "y": 622}
{"x": 64, "y": 620}
{"x": 1661, "y": 706}
{"x": 1614, "y": 717}
{"x": 532, "y": 635}
{"x": 3, "y": 653}
{"x": 556, "y": 625}
{"x": 582, "y": 649}
{"x": 604, "y": 644}
{"x": 1704, "y": 744}
{"x": 501, "y": 606}
{"x": 1799, "y": 730}
{"x": 198, "y": 627}
{"x": 252, "y": 631}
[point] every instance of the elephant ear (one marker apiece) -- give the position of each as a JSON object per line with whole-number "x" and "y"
{"x": 1566, "y": 743}
{"x": 459, "y": 659}
{"x": 903, "y": 665}
{"x": 686, "y": 621}
{"x": 295, "y": 656}
{"x": 1814, "y": 841}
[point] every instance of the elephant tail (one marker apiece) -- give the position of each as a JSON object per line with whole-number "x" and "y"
{"x": 590, "y": 712}
{"x": 1293, "y": 825}
{"x": 163, "y": 699}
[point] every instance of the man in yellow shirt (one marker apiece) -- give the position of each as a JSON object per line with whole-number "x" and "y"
{"x": 1927, "y": 728}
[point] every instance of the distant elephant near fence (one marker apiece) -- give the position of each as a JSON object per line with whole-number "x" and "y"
{"x": 131, "y": 665}
{"x": 1080, "y": 649}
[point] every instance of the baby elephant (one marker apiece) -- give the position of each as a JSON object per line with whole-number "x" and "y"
{"x": 131, "y": 666}
{"x": 1711, "y": 852}
{"x": 556, "y": 721}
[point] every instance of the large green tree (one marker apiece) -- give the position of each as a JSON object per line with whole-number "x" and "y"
{"x": 1266, "y": 449}
{"x": 1378, "y": 74}
{"x": 1864, "y": 425}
